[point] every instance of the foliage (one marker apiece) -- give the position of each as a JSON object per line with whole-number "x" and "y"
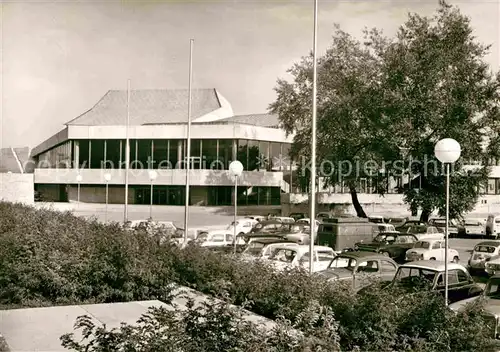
{"x": 210, "y": 326}
{"x": 384, "y": 102}
{"x": 49, "y": 258}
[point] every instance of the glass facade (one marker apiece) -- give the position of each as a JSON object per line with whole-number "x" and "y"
{"x": 58, "y": 157}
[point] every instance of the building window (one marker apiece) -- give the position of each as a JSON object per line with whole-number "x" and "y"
{"x": 173, "y": 154}
{"x": 84, "y": 156}
{"x": 160, "y": 153}
{"x": 195, "y": 152}
{"x": 242, "y": 153}
{"x": 253, "y": 157}
{"x": 263, "y": 162}
{"x": 143, "y": 159}
{"x": 113, "y": 154}
{"x": 209, "y": 158}
{"x": 491, "y": 186}
{"x": 97, "y": 154}
{"x": 225, "y": 154}
{"x": 275, "y": 157}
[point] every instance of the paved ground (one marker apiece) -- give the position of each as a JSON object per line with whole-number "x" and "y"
{"x": 29, "y": 329}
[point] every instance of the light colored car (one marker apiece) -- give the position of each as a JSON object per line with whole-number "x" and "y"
{"x": 492, "y": 227}
{"x": 256, "y": 217}
{"x": 262, "y": 248}
{"x": 284, "y": 219}
{"x": 440, "y": 224}
{"x": 431, "y": 250}
{"x": 284, "y": 257}
{"x": 215, "y": 238}
{"x": 491, "y": 299}
{"x": 298, "y": 233}
{"x": 360, "y": 268}
{"x": 383, "y": 228}
{"x": 474, "y": 227}
{"x": 422, "y": 231}
{"x": 492, "y": 267}
{"x": 243, "y": 226}
{"x": 483, "y": 253}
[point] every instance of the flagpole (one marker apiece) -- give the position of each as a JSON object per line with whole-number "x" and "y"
{"x": 188, "y": 142}
{"x": 127, "y": 155}
{"x": 312, "y": 195}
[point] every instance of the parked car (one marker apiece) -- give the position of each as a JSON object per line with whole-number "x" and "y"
{"x": 243, "y": 226}
{"x": 360, "y": 268}
{"x": 323, "y": 215}
{"x": 492, "y": 266}
{"x": 262, "y": 248}
{"x": 307, "y": 222}
{"x": 376, "y": 219}
{"x": 380, "y": 228}
{"x": 472, "y": 227}
{"x": 412, "y": 222}
{"x": 431, "y": 250}
{"x": 483, "y": 253}
{"x": 251, "y": 237}
{"x": 256, "y": 217}
{"x": 284, "y": 219}
{"x": 390, "y": 244}
{"x": 268, "y": 226}
{"x": 422, "y": 231}
{"x": 396, "y": 221}
{"x": 491, "y": 297}
{"x": 429, "y": 274}
{"x": 298, "y": 216}
{"x": 285, "y": 257}
{"x": 492, "y": 227}
{"x": 298, "y": 233}
{"x": 215, "y": 238}
{"x": 440, "y": 224}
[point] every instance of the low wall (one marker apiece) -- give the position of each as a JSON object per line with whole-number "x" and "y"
{"x": 17, "y": 188}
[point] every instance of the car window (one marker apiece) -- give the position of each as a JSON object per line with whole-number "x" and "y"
{"x": 283, "y": 255}
{"x": 390, "y": 238}
{"x": 304, "y": 260}
{"x": 422, "y": 244}
{"x": 387, "y": 266}
{"x": 436, "y": 245}
{"x": 484, "y": 249}
{"x": 370, "y": 266}
{"x": 229, "y": 238}
{"x": 325, "y": 256}
{"x": 462, "y": 276}
{"x": 452, "y": 278}
{"x": 497, "y": 221}
{"x": 409, "y": 272}
{"x": 343, "y": 262}
{"x": 217, "y": 238}
{"x": 269, "y": 227}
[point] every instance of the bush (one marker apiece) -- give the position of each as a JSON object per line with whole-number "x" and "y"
{"x": 49, "y": 258}
{"x": 213, "y": 326}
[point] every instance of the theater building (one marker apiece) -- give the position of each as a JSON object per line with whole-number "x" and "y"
{"x": 89, "y": 152}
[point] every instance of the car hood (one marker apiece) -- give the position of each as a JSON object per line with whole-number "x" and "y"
{"x": 336, "y": 274}
{"x": 491, "y": 305}
{"x": 371, "y": 245}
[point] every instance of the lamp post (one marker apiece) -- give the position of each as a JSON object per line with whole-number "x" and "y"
{"x": 447, "y": 151}
{"x": 78, "y": 181}
{"x": 107, "y": 178}
{"x": 236, "y": 169}
{"x": 152, "y": 176}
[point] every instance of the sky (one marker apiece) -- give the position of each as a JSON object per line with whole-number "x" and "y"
{"x": 59, "y": 58}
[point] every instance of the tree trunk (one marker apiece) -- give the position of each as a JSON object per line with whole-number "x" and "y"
{"x": 426, "y": 213}
{"x": 355, "y": 202}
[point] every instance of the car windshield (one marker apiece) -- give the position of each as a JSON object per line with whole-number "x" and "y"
{"x": 422, "y": 244}
{"x": 407, "y": 274}
{"x": 283, "y": 255}
{"x": 380, "y": 238}
{"x": 484, "y": 249}
{"x": 493, "y": 288}
{"x": 342, "y": 262}
{"x": 291, "y": 228}
{"x": 202, "y": 237}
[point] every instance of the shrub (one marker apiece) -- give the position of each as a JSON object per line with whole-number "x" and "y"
{"x": 212, "y": 326}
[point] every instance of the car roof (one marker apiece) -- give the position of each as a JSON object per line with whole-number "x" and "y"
{"x": 488, "y": 243}
{"x": 362, "y": 254}
{"x": 272, "y": 240}
{"x": 435, "y": 265}
{"x": 305, "y": 248}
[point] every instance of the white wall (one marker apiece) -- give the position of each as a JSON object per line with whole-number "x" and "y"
{"x": 17, "y": 188}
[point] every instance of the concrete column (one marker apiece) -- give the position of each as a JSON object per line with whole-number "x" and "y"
{"x": 76, "y": 157}
{"x": 235, "y": 150}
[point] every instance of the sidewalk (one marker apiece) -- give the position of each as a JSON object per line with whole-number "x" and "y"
{"x": 39, "y": 329}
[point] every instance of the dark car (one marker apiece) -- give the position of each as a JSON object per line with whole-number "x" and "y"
{"x": 267, "y": 226}
{"x": 429, "y": 274}
{"x": 360, "y": 268}
{"x": 390, "y": 244}
{"x": 297, "y": 216}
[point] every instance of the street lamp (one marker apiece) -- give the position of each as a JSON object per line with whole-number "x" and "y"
{"x": 236, "y": 169}
{"x": 152, "y": 176}
{"x": 107, "y": 178}
{"x": 447, "y": 151}
{"x": 78, "y": 181}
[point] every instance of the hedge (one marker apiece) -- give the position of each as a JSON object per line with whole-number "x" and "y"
{"x": 50, "y": 258}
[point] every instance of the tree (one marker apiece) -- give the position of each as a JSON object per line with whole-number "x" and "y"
{"x": 349, "y": 129}
{"x": 439, "y": 86}
{"x": 384, "y": 103}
